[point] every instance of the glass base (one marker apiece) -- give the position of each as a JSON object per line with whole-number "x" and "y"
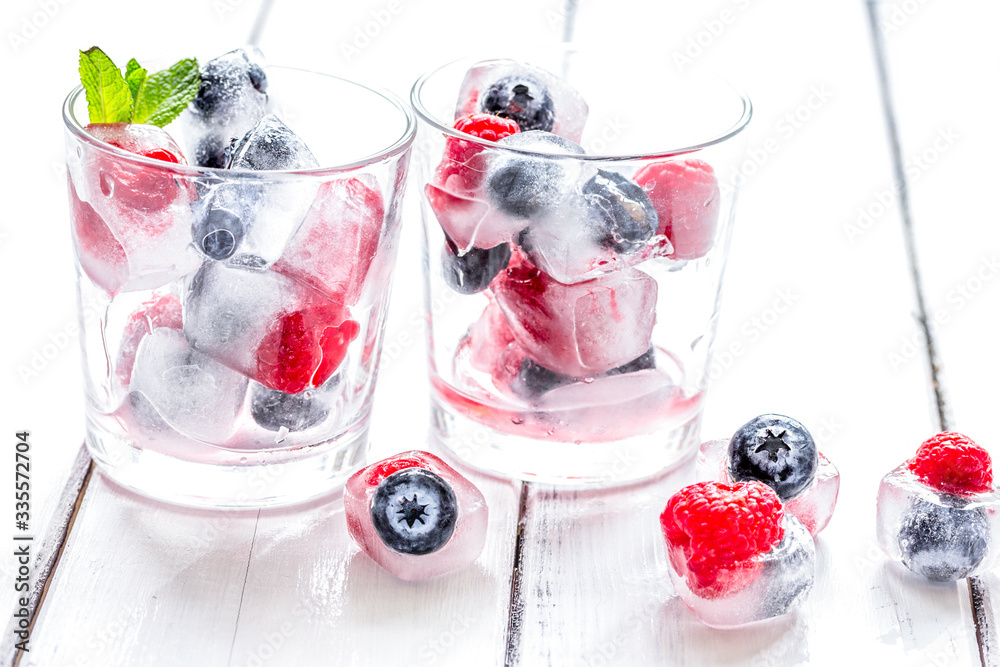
{"x": 582, "y": 464}
{"x": 222, "y": 478}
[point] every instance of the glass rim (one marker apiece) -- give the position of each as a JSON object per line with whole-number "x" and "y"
{"x": 400, "y": 145}
{"x": 424, "y": 114}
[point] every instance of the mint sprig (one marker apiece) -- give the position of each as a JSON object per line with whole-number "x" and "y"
{"x": 136, "y": 97}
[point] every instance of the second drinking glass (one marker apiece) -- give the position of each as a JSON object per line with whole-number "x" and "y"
{"x": 576, "y": 233}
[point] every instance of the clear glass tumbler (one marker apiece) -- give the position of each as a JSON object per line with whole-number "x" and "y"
{"x": 585, "y": 359}
{"x": 232, "y": 319}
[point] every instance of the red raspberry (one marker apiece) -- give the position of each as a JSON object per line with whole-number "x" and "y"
{"x": 304, "y": 348}
{"x": 953, "y": 463}
{"x": 137, "y": 186}
{"x": 375, "y": 473}
{"x": 715, "y": 530}
{"x": 685, "y": 195}
{"x": 456, "y": 172}
{"x": 101, "y": 255}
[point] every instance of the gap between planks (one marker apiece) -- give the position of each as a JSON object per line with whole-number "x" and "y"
{"x": 978, "y": 592}
{"x": 50, "y": 549}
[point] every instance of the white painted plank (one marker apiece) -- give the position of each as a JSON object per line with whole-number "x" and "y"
{"x": 42, "y": 389}
{"x": 949, "y": 138}
{"x": 823, "y": 361}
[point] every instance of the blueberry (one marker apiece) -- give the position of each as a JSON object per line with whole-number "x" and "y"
{"x": 792, "y": 561}
{"x": 533, "y": 380}
{"x": 777, "y": 451}
{"x": 621, "y": 212}
{"x": 414, "y": 511}
{"x": 473, "y": 271}
{"x": 943, "y": 543}
{"x": 645, "y": 361}
{"x": 526, "y": 185}
{"x": 273, "y": 409}
{"x": 222, "y": 81}
{"x": 211, "y": 152}
{"x": 523, "y": 99}
{"x": 218, "y": 233}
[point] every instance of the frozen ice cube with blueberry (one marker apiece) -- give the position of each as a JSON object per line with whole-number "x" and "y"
{"x": 415, "y": 515}
{"x": 582, "y": 329}
{"x": 735, "y": 556}
{"x": 780, "y": 452}
{"x": 193, "y": 393}
{"x": 529, "y": 95}
{"x": 247, "y": 220}
{"x": 276, "y": 331}
{"x": 232, "y": 98}
{"x": 939, "y": 512}
{"x": 275, "y": 410}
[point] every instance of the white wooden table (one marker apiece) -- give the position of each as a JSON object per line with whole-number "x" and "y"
{"x": 567, "y": 578}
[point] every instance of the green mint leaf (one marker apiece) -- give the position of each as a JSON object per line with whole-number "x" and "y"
{"x": 135, "y": 75}
{"x": 167, "y": 93}
{"x": 109, "y": 99}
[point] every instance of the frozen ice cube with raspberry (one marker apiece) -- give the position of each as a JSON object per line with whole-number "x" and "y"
{"x": 248, "y": 220}
{"x": 162, "y": 310}
{"x": 197, "y": 396}
{"x": 735, "y": 556}
{"x": 582, "y": 329}
{"x": 938, "y": 513}
{"x": 334, "y": 248}
{"x": 276, "y": 331}
{"x": 685, "y": 194}
{"x": 780, "y": 452}
{"x": 232, "y": 98}
{"x": 529, "y": 95}
{"x": 131, "y": 219}
{"x": 415, "y": 515}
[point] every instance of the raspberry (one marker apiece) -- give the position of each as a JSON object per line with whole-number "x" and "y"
{"x": 953, "y": 463}
{"x": 138, "y": 186}
{"x": 685, "y": 195}
{"x": 304, "y": 348}
{"x": 714, "y": 531}
{"x": 456, "y": 173}
{"x": 412, "y": 459}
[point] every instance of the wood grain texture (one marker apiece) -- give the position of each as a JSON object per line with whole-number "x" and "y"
{"x": 597, "y": 579}
{"x": 948, "y": 139}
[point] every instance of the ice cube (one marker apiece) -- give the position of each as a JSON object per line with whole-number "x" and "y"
{"x": 163, "y": 310}
{"x": 415, "y": 515}
{"x": 488, "y": 337}
{"x": 275, "y": 410}
{"x": 247, "y": 219}
{"x": 779, "y": 581}
{"x": 131, "y": 220}
{"x": 471, "y": 221}
{"x": 532, "y": 184}
{"x": 535, "y": 98}
{"x": 195, "y": 395}
{"x": 939, "y": 536}
{"x": 336, "y": 244}
{"x": 230, "y": 101}
{"x": 685, "y": 194}
{"x": 813, "y": 507}
{"x": 274, "y": 330}
{"x": 582, "y": 329}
